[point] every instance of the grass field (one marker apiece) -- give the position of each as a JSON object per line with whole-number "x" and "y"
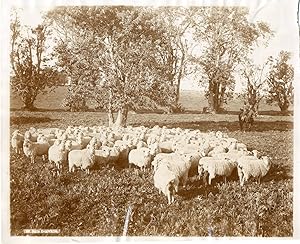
{"x": 192, "y": 101}
{"x": 96, "y": 204}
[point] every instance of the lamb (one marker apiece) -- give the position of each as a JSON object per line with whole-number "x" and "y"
{"x": 166, "y": 181}
{"x": 34, "y": 149}
{"x": 140, "y": 157}
{"x": 84, "y": 159}
{"x": 256, "y": 168}
{"x": 216, "y": 166}
{"x": 17, "y": 141}
{"x": 58, "y": 155}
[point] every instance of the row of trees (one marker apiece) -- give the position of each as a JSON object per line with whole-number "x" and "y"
{"x": 130, "y": 58}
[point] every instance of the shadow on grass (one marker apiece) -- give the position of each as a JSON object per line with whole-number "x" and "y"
{"x": 278, "y": 173}
{"x": 205, "y": 126}
{"x": 21, "y": 120}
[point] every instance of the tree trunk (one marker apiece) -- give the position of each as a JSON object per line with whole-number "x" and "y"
{"x": 284, "y": 108}
{"x": 211, "y": 99}
{"x": 122, "y": 117}
{"x": 28, "y": 102}
{"x": 111, "y": 118}
{"x": 221, "y": 100}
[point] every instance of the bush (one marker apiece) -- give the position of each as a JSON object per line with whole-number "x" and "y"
{"x": 75, "y": 103}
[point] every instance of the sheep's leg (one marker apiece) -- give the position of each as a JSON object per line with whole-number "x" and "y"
{"x": 259, "y": 180}
{"x": 169, "y": 197}
{"x": 243, "y": 180}
{"x": 225, "y": 180}
{"x": 184, "y": 179}
{"x": 240, "y": 174}
{"x": 176, "y": 187}
{"x": 44, "y": 157}
{"x": 210, "y": 178}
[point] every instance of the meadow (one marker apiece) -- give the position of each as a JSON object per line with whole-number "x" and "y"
{"x": 95, "y": 205}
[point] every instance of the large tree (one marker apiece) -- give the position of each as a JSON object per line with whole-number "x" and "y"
{"x": 255, "y": 89}
{"x": 118, "y": 55}
{"x": 226, "y": 39}
{"x": 31, "y": 71}
{"x": 280, "y": 81}
{"x": 179, "y": 27}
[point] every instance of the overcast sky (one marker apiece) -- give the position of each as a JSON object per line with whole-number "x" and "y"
{"x": 281, "y": 15}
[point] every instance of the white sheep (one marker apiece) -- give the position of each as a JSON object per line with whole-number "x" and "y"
{"x": 256, "y": 168}
{"x": 179, "y": 164}
{"x": 58, "y": 155}
{"x": 84, "y": 159}
{"x": 73, "y": 145}
{"x": 34, "y": 149}
{"x": 141, "y": 144}
{"x": 166, "y": 146}
{"x": 233, "y": 155}
{"x": 216, "y": 166}
{"x": 140, "y": 157}
{"x": 216, "y": 150}
{"x": 30, "y": 136}
{"x": 17, "y": 141}
{"x": 166, "y": 182}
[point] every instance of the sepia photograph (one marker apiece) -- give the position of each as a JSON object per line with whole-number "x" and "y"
{"x": 155, "y": 120}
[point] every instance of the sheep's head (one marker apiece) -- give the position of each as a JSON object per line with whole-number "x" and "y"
{"x": 154, "y": 149}
{"x": 27, "y": 134}
{"x": 16, "y": 132}
{"x": 57, "y": 142}
{"x": 255, "y": 153}
{"x": 68, "y": 145}
{"x": 147, "y": 153}
{"x": 27, "y": 144}
{"x": 267, "y": 161}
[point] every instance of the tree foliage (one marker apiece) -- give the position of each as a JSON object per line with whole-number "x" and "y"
{"x": 280, "y": 81}
{"x": 227, "y": 38}
{"x": 121, "y": 53}
{"x": 255, "y": 89}
{"x": 31, "y": 73}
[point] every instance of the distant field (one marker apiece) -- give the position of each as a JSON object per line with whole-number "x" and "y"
{"x": 191, "y": 101}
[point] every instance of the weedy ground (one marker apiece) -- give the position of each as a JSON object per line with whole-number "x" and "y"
{"x": 96, "y": 204}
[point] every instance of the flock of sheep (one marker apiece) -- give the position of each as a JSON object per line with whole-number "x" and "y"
{"x": 171, "y": 153}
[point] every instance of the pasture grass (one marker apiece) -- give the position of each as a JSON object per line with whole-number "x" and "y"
{"x": 96, "y": 204}
{"x": 192, "y": 101}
